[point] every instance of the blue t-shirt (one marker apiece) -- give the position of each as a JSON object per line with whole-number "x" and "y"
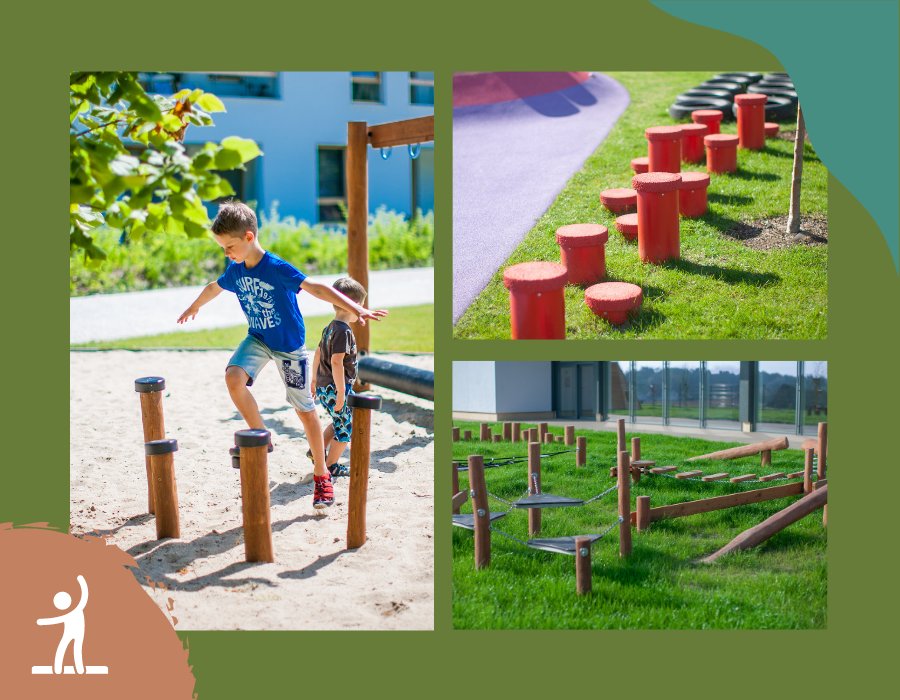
{"x": 268, "y": 296}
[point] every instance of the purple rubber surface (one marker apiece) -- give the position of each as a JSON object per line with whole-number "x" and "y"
{"x": 510, "y": 160}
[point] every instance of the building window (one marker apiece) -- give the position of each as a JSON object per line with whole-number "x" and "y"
{"x": 223, "y": 84}
{"x": 423, "y": 181}
{"x": 776, "y": 396}
{"x": 366, "y": 86}
{"x": 815, "y": 395}
{"x": 683, "y": 395}
{"x": 722, "y": 395}
{"x": 619, "y": 389}
{"x": 648, "y": 392}
{"x": 421, "y": 88}
{"x": 332, "y": 199}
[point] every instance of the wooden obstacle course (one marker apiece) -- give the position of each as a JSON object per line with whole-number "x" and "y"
{"x": 255, "y": 505}
{"x": 362, "y": 405}
{"x": 480, "y": 511}
{"x": 534, "y": 487}
{"x": 150, "y": 390}
{"x": 773, "y": 524}
{"x": 583, "y": 565}
{"x": 165, "y": 493}
{"x": 764, "y": 449}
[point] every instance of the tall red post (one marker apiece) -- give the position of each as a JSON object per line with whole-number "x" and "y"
{"x": 658, "y": 225}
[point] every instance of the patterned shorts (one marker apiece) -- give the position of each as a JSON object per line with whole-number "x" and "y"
{"x": 341, "y": 420}
{"x": 253, "y": 354}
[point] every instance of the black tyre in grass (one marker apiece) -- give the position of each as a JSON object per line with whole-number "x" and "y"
{"x": 697, "y": 94}
{"x": 733, "y": 88}
{"x": 739, "y": 79}
{"x": 779, "y": 92}
{"x": 752, "y": 77}
{"x": 776, "y": 76}
{"x": 683, "y": 109}
{"x": 778, "y": 109}
{"x": 776, "y": 83}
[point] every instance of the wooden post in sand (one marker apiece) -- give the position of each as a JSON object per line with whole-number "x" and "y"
{"x": 254, "y": 447}
{"x": 150, "y": 391}
{"x": 362, "y": 405}
{"x": 583, "y": 565}
{"x": 165, "y": 493}
{"x": 534, "y": 486}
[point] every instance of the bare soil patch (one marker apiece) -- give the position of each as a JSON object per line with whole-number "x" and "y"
{"x": 771, "y": 234}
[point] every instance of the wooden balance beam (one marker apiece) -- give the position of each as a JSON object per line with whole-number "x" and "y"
{"x": 774, "y": 524}
{"x": 705, "y": 505}
{"x": 760, "y": 448}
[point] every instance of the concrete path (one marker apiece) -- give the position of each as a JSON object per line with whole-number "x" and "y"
{"x": 510, "y": 160}
{"x": 133, "y": 314}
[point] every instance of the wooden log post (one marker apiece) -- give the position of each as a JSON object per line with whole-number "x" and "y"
{"x": 467, "y": 435}
{"x": 534, "y": 486}
{"x": 455, "y": 487}
{"x": 580, "y": 451}
{"x": 362, "y": 405}
{"x": 583, "y": 565}
{"x": 744, "y": 450}
{"x": 497, "y": 438}
{"x": 549, "y": 438}
{"x": 570, "y": 435}
{"x": 822, "y": 450}
{"x": 620, "y": 436}
{"x": 776, "y": 523}
{"x": 357, "y": 222}
{"x": 643, "y": 512}
{"x": 516, "y": 432}
{"x": 821, "y": 485}
{"x": 480, "y": 511}
{"x": 507, "y": 432}
{"x": 542, "y": 430}
{"x": 807, "y": 469}
{"x": 257, "y": 520}
{"x": 484, "y": 432}
{"x": 635, "y": 456}
{"x": 150, "y": 391}
{"x": 624, "y": 480}
{"x": 765, "y": 458}
{"x": 165, "y": 494}
{"x": 741, "y": 498}
{"x": 455, "y": 434}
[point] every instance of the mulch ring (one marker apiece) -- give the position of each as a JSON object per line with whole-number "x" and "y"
{"x": 770, "y": 234}
{"x": 790, "y": 135}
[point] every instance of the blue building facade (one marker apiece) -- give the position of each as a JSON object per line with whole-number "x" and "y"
{"x": 300, "y": 121}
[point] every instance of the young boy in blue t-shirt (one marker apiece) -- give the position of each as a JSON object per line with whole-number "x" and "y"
{"x": 267, "y": 289}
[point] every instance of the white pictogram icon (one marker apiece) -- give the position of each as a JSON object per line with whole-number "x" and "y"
{"x": 73, "y": 633}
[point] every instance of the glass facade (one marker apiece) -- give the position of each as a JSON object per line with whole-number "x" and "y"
{"x": 815, "y": 395}
{"x": 722, "y": 395}
{"x": 776, "y": 396}
{"x": 683, "y": 393}
{"x": 648, "y": 392}
{"x": 618, "y": 389}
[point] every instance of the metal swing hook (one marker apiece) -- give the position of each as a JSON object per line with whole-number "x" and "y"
{"x": 386, "y": 152}
{"x": 414, "y": 149}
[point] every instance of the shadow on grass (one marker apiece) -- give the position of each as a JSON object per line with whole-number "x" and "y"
{"x": 725, "y": 274}
{"x": 742, "y": 174}
{"x": 808, "y": 154}
{"x": 729, "y": 199}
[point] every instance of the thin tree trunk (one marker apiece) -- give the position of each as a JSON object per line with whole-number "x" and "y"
{"x": 799, "y": 139}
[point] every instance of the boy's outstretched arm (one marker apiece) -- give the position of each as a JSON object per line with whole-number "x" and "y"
{"x": 333, "y": 296}
{"x": 210, "y": 292}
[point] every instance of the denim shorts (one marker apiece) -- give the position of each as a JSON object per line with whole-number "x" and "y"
{"x": 253, "y": 354}
{"x": 341, "y": 420}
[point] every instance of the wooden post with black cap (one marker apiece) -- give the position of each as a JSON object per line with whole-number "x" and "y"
{"x": 254, "y": 446}
{"x": 362, "y": 405}
{"x": 150, "y": 391}
{"x": 160, "y": 453}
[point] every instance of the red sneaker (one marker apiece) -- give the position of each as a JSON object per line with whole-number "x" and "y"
{"x": 323, "y": 492}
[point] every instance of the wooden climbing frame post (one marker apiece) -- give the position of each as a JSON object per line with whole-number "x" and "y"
{"x": 255, "y": 506}
{"x": 623, "y": 475}
{"x": 150, "y": 390}
{"x": 165, "y": 494}
{"x": 534, "y": 486}
{"x": 570, "y": 435}
{"x": 583, "y": 565}
{"x": 580, "y": 451}
{"x": 480, "y": 513}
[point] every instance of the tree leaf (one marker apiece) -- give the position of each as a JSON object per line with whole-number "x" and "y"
{"x": 210, "y": 103}
{"x": 246, "y": 148}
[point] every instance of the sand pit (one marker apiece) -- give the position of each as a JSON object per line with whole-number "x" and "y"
{"x": 314, "y": 583}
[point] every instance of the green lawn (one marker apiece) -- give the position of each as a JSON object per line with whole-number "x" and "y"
{"x": 780, "y": 585}
{"x": 719, "y": 288}
{"x": 406, "y": 329}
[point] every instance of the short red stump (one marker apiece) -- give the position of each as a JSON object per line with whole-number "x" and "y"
{"x": 721, "y": 153}
{"x": 537, "y": 308}
{"x": 640, "y": 165}
{"x": 711, "y": 117}
{"x": 772, "y": 129}
{"x": 657, "y": 211}
{"x": 692, "y": 194}
{"x": 664, "y": 149}
{"x": 627, "y": 225}
{"x": 613, "y": 300}
{"x": 751, "y": 120}
{"x": 692, "y": 142}
{"x": 619, "y": 200}
{"x": 583, "y": 252}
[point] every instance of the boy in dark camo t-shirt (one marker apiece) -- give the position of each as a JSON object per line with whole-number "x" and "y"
{"x": 334, "y": 371}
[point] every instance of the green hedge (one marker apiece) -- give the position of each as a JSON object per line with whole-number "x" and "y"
{"x": 172, "y": 260}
